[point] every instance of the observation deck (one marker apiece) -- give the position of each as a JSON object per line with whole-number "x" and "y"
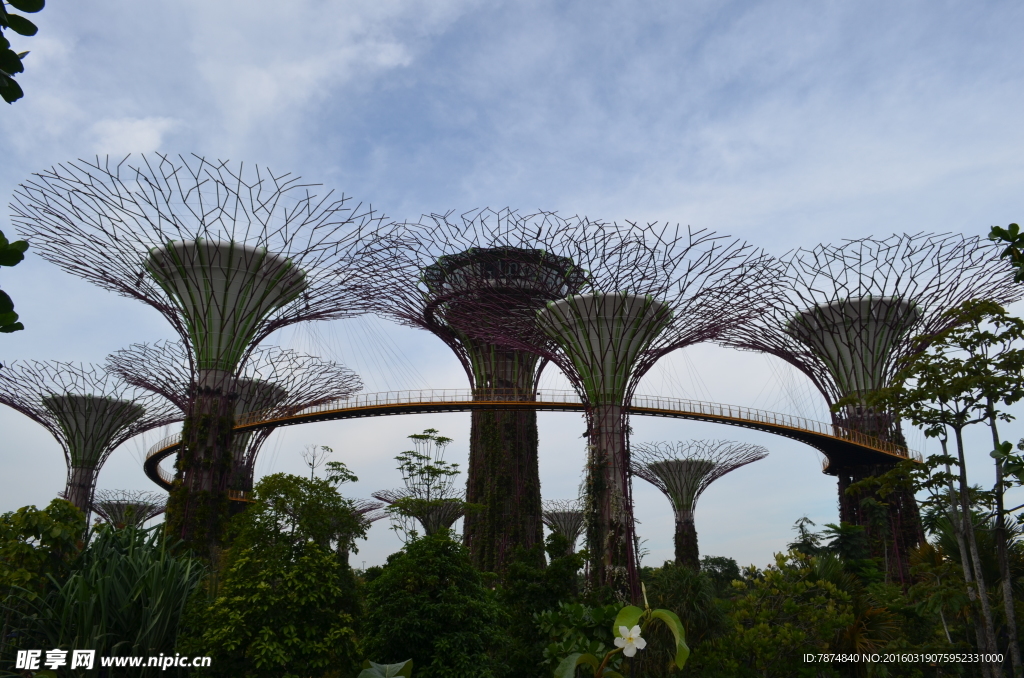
{"x": 840, "y": 446}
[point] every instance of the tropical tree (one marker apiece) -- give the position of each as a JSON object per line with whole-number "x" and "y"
{"x": 36, "y": 547}
{"x": 285, "y": 602}
{"x": 429, "y": 496}
{"x": 965, "y": 376}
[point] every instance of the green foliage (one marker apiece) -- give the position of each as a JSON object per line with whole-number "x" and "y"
{"x": 778, "y": 614}
{"x": 1014, "y": 252}
{"x": 429, "y": 603}
{"x": 11, "y": 253}
{"x": 290, "y": 510}
{"x": 10, "y": 61}
{"x": 693, "y": 597}
{"x": 125, "y": 595}
{"x": 574, "y": 628}
{"x": 721, "y": 571}
{"x": 285, "y": 602}
{"x": 527, "y": 590}
{"x": 281, "y": 611}
{"x": 630, "y": 624}
{"x": 35, "y": 547}
{"x": 374, "y": 670}
{"x": 37, "y": 544}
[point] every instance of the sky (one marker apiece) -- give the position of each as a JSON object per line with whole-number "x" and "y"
{"x": 787, "y": 124}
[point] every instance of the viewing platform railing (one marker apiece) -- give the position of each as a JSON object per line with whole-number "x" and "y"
{"x": 555, "y": 400}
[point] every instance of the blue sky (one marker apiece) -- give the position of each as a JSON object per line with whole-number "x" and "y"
{"x": 784, "y": 123}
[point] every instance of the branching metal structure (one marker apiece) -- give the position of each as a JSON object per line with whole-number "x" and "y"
{"x": 89, "y": 411}
{"x": 433, "y": 514}
{"x": 274, "y": 381}
{"x": 439, "y": 272}
{"x": 226, "y": 253}
{"x": 649, "y": 290}
{"x": 368, "y": 510}
{"x": 128, "y": 508}
{"x": 565, "y": 517}
{"x": 850, "y": 316}
{"x": 682, "y": 471}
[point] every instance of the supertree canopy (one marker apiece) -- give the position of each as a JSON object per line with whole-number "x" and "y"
{"x": 441, "y": 270}
{"x": 682, "y": 471}
{"x": 89, "y": 411}
{"x": 128, "y": 508}
{"x": 649, "y": 290}
{"x": 565, "y": 517}
{"x": 433, "y": 515}
{"x": 227, "y": 253}
{"x": 850, "y": 315}
{"x": 274, "y": 383}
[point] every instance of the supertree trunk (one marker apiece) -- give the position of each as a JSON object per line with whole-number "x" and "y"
{"x": 198, "y": 504}
{"x": 900, "y": 532}
{"x": 80, "y": 487}
{"x": 609, "y": 515}
{"x": 687, "y": 552}
{"x": 504, "y": 479}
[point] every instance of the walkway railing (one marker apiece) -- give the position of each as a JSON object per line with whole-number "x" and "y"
{"x": 559, "y": 399}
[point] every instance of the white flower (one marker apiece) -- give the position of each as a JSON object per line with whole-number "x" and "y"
{"x": 630, "y": 641}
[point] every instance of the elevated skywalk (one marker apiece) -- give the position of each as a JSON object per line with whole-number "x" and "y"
{"x": 839, "y": 445}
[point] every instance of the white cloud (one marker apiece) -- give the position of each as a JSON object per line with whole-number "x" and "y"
{"x": 120, "y": 136}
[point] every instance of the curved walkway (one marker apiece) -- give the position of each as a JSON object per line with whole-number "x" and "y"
{"x": 841, "y": 446}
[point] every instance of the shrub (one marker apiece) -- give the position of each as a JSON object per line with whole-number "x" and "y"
{"x": 429, "y": 604}
{"x": 285, "y": 600}
{"x": 527, "y": 590}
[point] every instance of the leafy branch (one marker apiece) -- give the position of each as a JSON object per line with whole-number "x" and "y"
{"x": 11, "y": 61}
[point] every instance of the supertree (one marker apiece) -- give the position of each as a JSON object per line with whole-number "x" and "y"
{"x": 433, "y": 515}
{"x": 649, "y": 290}
{"x": 89, "y": 411}
{"x": 850, "y": 316}
{"x": 128, "y": 508}
{"x": 368, "y": 510}
{"x": 682, "y": 471}
{"x": 226, "y": 253}
{"x": 440, "y": 270}
{"x": 564, "y": 517}
{"x": 273, "y": 383}
{"x": 429, "y": 495}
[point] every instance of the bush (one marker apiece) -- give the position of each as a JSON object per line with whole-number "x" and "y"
{"x": 279, "y": 613}
{"x": 429, "y": 604}
{"x": 527, "y": 590}
{"x": 285, "y": 600}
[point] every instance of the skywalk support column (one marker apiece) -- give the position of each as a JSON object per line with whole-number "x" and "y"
{"x": 225, "y": 291}
{"x": 603, "y": 334}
